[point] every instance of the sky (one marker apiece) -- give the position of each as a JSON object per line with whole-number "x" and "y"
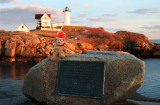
{"x": 140, "y": 16}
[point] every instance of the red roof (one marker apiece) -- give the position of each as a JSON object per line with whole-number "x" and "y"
{"x": 38, "y": 16}
{"x": 26, "y": 26}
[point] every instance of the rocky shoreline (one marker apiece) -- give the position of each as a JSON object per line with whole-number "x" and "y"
{"x": 37, "y": 45}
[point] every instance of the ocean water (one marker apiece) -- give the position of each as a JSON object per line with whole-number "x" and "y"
{"x": 15, "y": 71}
{"x": 155, "y": 40}
{"x": 151, "y": 84}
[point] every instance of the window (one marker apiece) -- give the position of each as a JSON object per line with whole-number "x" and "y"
{"x": 45, "y": 18}
{"x": 22, "y": 26}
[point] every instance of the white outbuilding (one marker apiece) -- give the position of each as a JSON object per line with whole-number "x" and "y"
{"x": 23, "y": 28}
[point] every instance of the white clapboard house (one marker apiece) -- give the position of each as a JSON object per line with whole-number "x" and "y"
{"x": 43, "y": 22}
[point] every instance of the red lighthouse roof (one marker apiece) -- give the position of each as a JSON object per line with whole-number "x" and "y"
{"x": 38, "y": 16}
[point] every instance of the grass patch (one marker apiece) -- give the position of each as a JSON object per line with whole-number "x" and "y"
{"x": 45, "y": 35}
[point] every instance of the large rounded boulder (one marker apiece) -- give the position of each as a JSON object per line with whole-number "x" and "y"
{"x": 124, "y": 74}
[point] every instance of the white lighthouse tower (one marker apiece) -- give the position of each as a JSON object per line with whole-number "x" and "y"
{"x": 67, "y": 17}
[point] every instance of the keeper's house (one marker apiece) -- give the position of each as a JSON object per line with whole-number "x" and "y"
{"x": 43, "y": 22}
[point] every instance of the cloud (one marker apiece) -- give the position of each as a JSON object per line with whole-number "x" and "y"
{"x": 45, "y": 5}
{"x": 108, "y": 15}
{"x": 94, "y": 25}
{"x": 151, "y": 34}
{"x": 145, "y": 11}
{"x": 74, "y": 3}
{"x": 76, "y": 21}
{"x": 101, "y": 19}
{"x": 53, "y": 16}
{"x": 82, "y": 14}
{"x": 151, "y": 27}
{"x": 85, "y": 5}
{"x": 14, "y": 16}
{"x": 28, "y": 9}
{"x": 8, "y": 1}
{"x": 35, "y": 0}
{"x": 115, "y": 29}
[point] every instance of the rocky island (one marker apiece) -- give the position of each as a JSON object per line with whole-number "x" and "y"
{"x": 37, "y": 45}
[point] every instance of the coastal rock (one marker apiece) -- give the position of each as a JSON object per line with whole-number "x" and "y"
{"x": 102, "y": 48}
{"x": 79, "y": 39}
{"x": 86, "y": 46}
{"x": 156, "y": 53}
{"x": 32, "y": 52}
{"x": 10, "y": 48}
{"x": 40, "y": 45}
{"x": 48, "y": 49}
{"x": 0, "y": 49}
{"x": 156, "y": 50}
{"x": 20, "y": 49}
{"x": 35, "y": 41}
{"x": 27, "y": 51}
{"x": 70, "y": 46}
{"x": 124, "y": 74}
{"x": 27, "y": 43}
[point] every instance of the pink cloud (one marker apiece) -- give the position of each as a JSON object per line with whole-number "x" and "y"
{"x": 151, "y": 27}
{"x": 74, "y": 3}
{"x": 109, "y": 15}
{"x": 52, "y": 16}
{"x": 145, "y": 11}
{"x": 76, "y": 21}
{"x": 115, "y": 29}
{"x": 14, "y": 16}
{"x": 35, "y": 0}
{"x": 8, "y": 1}
{"x": 85, "y": 5}
{"x": 45, "y": 5}
{"x": 24, "y": 9}
{"x": 94, "y": 25}
{"x": 82, "y": 14}
{"x": 151, "y": 34}
{"x": 101, "y": 19}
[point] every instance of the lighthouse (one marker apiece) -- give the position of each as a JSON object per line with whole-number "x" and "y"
{"x": 67, "y": 17}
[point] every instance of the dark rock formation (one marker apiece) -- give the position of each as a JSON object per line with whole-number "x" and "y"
{"x": 156, "y": 50}
{"x": 10, "y": 47}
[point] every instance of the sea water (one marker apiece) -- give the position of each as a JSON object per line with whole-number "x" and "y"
{"x": 151, "y": 84}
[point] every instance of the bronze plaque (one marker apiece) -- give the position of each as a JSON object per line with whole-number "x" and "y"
{"x": 81, "y": 78}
